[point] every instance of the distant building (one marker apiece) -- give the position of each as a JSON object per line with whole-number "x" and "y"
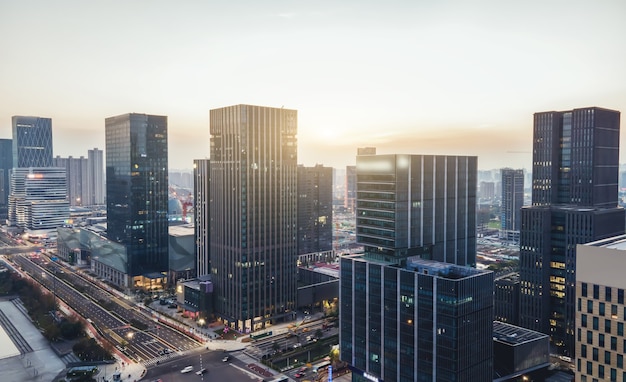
{"x": 38, "y": 198}
{"x": 506, "y": 299}
{"x": 366, "y": 151}
{"x": 201, "y": 197}
{"x": 76, "y": 178}
{"x": 487, "y": 190}
{"x": 95, "y": 177}
{"x": 195, "y": 297}
{"x": 32, "y": 142}
{"x": 512, "y": 203}
{"x": 253, "y": 214}
{"x": 600, "y": 310}
{"x": 349, "y": 199}
{"x": 315, "y": 209}
{"x": 182, "y": 249}
{"x": 6, "y": 164}
{"x": 137, "y": 195}
{"x": 574, "y": 201}
{"x": 423, "y": 321}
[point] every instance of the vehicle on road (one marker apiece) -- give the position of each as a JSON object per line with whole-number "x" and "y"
{"x": 201, "y": 371}
{"x": 187, "y": 369}
{"x": 225, "y": 359}
{"x": 299, "y": 375}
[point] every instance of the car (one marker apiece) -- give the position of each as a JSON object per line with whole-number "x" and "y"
{"x": 299, "y": 375}
{"x": 303, "y": 369}
{"x": 226, "y": 358}
{"x": 201, "y": 371}
{"x": 186, "y": 370}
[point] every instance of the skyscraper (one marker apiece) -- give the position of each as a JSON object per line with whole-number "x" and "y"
{"x": 421, "y": 321}
{"x": 574, "y": 201}
{"x": 201, "y": 198}
{"x": 137, "y": 194}
{"x": 512, "y": 202}
{"x": 95, "y": 177}
{"x": 6, "y": 164}
{"x": 32, "y": 141}
{"x": 315, "y": 209}
{"x": 417, "y": 205}
{"x": 349, "y": 198}
{"x": 253, "y": 214}
{"x": 76, "y": 176}
{"x": 38, "y": 199}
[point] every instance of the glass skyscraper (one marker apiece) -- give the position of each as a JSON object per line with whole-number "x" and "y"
{"x": 201, "y": 198}
{"x": 6, "y": 164}
{"x": 32, "y": 141}
{"x": 137, "y": 194}
{"x": 512, "y": 203}
{"x": 574, "y": 201}
{"x": 315, "y": 209}
{"x": 253, "y": 211}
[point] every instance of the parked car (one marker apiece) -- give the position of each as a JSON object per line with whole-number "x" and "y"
{"x": 187, "y": 369}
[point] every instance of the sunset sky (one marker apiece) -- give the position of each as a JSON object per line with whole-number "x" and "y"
{"x": 431, "y": 77}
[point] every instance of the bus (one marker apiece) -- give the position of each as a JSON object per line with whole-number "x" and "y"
{"x": 81, "y": 371}
{"x": 320, "y": 366}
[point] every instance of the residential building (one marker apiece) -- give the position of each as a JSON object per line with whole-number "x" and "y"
{"x": 512, "y": 202}
{"x": 420, "y": 321}
{"x": 600, "y": 310}
{"x": 32, "y": 142}
{"x": 76, "y": 178}
{"x": 137, "y": 194}
{"x": 487, "y": 190}
{"x": 315, "y": 209}
{"x": 95, "y": 177}
{"x": 253, "y": 214}
{"x": 201, "y": 198}
{"x": 38, "y": 198}
{"x": 417, "y": 205}
{"x": 574, "y": 201}
{"x": 6, "y": 164}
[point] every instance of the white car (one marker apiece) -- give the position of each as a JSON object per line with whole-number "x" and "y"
{"x": 201, "y": 371}
{"x": 188, "y": 369}
{"x": 225, "y": 359}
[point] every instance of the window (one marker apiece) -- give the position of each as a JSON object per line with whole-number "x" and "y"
{"x": 601, "y": 340}
{"x": 590, "y": 337}
{"x": 620, "y": 328}
{"x": 607, "y": 326}
{"x": 613, "y": 343}
{"x": 583, "y": 351}
{"x": 601, "y": 309}
{"x": 607, "y": 357}
{"x": 607, "y": 294}
{"x": 601, "y": 371}
{"x": 620, "y": 361}
{"x": 594, "y": 353}
{"x": 583, "y": 320}
{"x": 596, "y": 323}
{"x": 596, "y": 292}
{"x": 590, "y": 306}
{"x": 589, "y": 368}
{"x": 613, "y": 311}
{"x": 583, "y": 288}
{"x": 620, "y": 296}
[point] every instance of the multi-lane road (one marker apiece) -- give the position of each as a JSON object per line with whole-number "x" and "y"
{"x": 140, "y": 345}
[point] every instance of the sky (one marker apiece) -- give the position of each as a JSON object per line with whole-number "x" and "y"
{"x": 413, "y": 77}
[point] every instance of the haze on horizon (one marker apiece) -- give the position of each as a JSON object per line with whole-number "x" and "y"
{"x": 445, "y": 77}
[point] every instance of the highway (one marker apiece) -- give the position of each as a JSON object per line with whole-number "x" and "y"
{"x": 115, "y": 324}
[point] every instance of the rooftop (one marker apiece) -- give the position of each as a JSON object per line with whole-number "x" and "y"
{"x": 514, "y": 335}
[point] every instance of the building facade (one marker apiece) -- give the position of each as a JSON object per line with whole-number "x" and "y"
{"x": 349, "y": 198}
{"x": 253, "y": 212}
{"x": 38, "y": 198}
{"x": 95, "y": 177}
{"x": 6, "y": 164}
{"x": 137, "y": 193}
{"x": 600, "y": 310}
{"x": 32, "y": 141}
{"x": 574, "y": 201}
{"x": 425, "y": 321}
{"x": 315, "y": 209}
{"x": 512, "y": 203}
{"x": 76, "y": 178}
{"x": 417, "y": 205}
{"x": 506, "y": 299}
{"x": 201, "y": 198}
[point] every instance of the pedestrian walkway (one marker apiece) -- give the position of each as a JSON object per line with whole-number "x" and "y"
{"x": 128, "y": 372}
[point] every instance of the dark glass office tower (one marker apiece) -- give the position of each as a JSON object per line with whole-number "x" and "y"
{"x": 424, "y": 321}
{"x": 417, "y": 205}
{"x": 315, "y": 209}
{"x": 574, "y": 201}
{"x": 6, "y": 164}
{"x": 201, "y": 199}
{"x": 32, "y": 142}
{"x": 512, "y": 203}
{"x": 253, "y": 214}
{"x": 137, "y": 193}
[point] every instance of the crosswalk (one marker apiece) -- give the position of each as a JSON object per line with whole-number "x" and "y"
{"x": 159, "y": 359}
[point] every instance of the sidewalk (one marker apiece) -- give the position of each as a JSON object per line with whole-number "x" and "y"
{"x": 128, "y": 372}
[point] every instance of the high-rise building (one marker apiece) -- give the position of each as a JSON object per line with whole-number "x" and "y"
{"x": 417, "y": 205}
{"x": 487, "y": 190}
{"x": 600, "y": 310}
{"x": 76, "y": 176}
{"x": 137, "y": 194}
{"x": 253, "y": 214}
{"x": 315, "y": 209}
{"x": 366, "y": 151}
{"x": 38, "y": 198}
{"x": 574, "y": 201}
{"x": 95, "y": 177}
{"x": 6, "y": 164}
{"x": 32, "y": 141}
{"x": 421, "y": 321}
{"x": 506, "y": 299}
{"x": 201, "y": 198}
{"x": 512, "y": 203}
{"x": 349, "y": 199}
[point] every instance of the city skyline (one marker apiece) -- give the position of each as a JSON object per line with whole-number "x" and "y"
{"x": 449, "y": 78}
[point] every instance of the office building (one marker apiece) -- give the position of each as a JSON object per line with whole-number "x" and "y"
{"x": 38, "y": 198}
{"x": 137, "y": 194}
{"x": 349, "y": 198}
{"x": 6, "y": 164}
{"x": 76, "y": 178}
{"x": 201, "y": 172}
{"x": 600, "y": 310}
{"x": 253, "y": 188}
{"x": 517, "y": 351}
{"x": 487, "y": 190}
{"x": 421, "y": 321}
{"x": 366, "y": 151}
{"x": 512, "y": 203}
{"x": 506, "y": 299}
{"x": 95, "y": 177}
{"x": 32, "y": 142}
{"x": 574, "y": 201}
{"x": 417, "y": 205}
{"x": 315, "y": 209}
